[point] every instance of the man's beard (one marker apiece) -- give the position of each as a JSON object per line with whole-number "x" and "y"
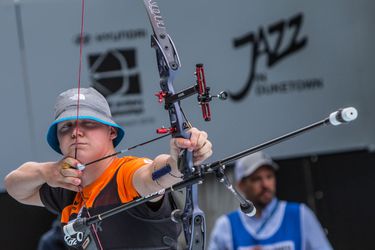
{"x": 262, "y": 203}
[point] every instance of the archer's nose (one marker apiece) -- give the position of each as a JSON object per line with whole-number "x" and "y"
{"x": 76, "y": 132}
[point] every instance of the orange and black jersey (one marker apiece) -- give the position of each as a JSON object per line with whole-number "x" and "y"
{"x": 138, "y": 227}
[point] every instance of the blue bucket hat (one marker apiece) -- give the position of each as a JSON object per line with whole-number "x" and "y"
{"x": 92, "y": 106}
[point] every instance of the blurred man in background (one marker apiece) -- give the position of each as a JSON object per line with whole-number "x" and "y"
{"x": 276, "y": 225}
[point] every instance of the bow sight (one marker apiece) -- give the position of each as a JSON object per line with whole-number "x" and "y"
{"x": 200, "y": 88}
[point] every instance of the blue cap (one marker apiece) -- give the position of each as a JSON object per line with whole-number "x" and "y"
{"x": 249, "y": 164}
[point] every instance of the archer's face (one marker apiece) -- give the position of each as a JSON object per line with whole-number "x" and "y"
{"x": 89, "y": 138}
{"x": 260, "y": 186}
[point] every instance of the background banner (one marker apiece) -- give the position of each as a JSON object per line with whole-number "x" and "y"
{"x": 285, "y": 65}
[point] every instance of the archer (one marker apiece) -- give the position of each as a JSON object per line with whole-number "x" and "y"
{"x": 83, "y": 131}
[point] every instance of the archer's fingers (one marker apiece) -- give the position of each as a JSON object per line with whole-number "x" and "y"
{"x": 71, "y": 187}
{"x": 197, "y": 139}
{"x": 70, "y": 172}
{"x": 69, "y": 162}
{"x": 204, "y": 149}
{"x": 68, "y": 168}
{"x": 201, "y": 140}
{"x": 203, "y": 153}
{"x": 197, "y": 160}
{"x": 180, "y": 143}
{"x": 72, "y": 181}
{"x": 194, "y": 136}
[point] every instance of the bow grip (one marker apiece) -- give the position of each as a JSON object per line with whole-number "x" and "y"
{"x": 185, "y": 163}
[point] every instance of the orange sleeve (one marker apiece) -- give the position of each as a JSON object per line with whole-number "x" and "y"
{"x": 126, "y": 189}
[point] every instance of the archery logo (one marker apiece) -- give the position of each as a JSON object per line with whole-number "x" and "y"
{"x": 114, "y": 74}
{"x": 276, "y": 42}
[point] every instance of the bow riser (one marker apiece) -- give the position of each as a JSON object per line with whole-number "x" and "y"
{"x": 168, "y": 64}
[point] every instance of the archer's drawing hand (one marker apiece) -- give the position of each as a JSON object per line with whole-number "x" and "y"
{"x": 64, "y": 174}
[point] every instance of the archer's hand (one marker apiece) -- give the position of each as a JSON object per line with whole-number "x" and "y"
{"x": 64, "y": 174}
{"x": 198, "y": 144}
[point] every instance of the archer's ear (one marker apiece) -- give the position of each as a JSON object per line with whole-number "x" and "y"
{"x": 113, "y": 132}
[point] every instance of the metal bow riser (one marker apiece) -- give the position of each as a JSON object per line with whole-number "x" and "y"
{"x": 168, "y": 64}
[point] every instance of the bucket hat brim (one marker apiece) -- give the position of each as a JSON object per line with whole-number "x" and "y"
{"x": 85, "y": 114}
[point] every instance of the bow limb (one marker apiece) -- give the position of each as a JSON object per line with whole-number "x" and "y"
{"x": 168, "y": 64}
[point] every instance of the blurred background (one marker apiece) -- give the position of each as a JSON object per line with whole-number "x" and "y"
{"x": 285, "y": 64}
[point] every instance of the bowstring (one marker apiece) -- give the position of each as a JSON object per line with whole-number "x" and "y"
{"x": 79, "y": 73}
{"x": 77, "y": 117}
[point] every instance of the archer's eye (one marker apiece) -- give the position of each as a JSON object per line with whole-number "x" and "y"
{"x": 64, "y": 128}
{"x": 89, "y": 124}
